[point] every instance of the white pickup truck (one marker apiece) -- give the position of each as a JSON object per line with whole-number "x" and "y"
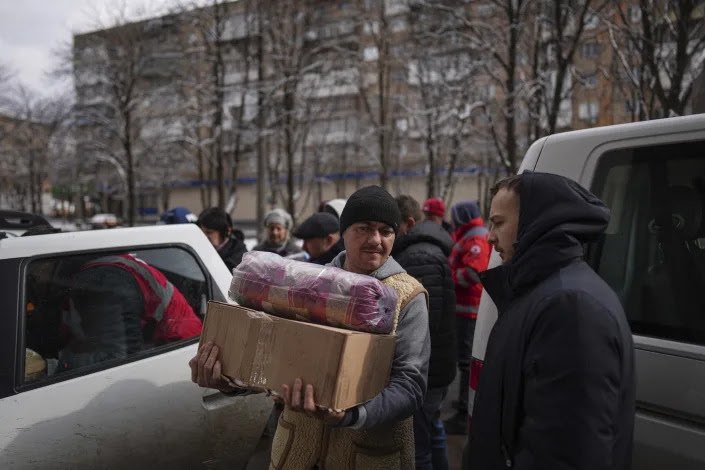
{"x": 136, "y": 411}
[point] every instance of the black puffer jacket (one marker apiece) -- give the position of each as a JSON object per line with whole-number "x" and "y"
{"x": 232, "y": 252}
{"x": 329, "y": 255}
{"x": 423, "y": 253}
{"x": 286, "y": 249}
{"x": 557, "y": 387}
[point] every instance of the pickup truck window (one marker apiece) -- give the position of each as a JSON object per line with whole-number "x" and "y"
{"x": 84, "y": 310}
{"x": 653, "y": 254}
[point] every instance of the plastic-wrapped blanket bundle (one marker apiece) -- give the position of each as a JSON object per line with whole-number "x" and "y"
{"x": 309, "y": 292}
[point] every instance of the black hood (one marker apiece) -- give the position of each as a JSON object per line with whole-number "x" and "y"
{"x": 425, "y": 232}
{"x": 556, "y": 217}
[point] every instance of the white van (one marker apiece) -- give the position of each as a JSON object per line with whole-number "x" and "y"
{"x": 644, "y": 172}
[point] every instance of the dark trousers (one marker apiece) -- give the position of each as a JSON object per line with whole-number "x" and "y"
{"x": 429, "y": 434}
{"x": 465, "y": 328}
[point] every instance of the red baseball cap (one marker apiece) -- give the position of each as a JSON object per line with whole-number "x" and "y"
{"x": 434, "y": 206}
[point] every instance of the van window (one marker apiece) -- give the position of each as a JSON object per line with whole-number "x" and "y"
{"x": 89, "y": 311}
{"x": 653, "y": 253}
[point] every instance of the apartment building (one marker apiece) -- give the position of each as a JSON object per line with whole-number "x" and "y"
{"x": 334, "y": 95}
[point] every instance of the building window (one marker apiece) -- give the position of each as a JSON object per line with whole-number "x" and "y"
{"x": 371, "y": 27}
{"x": 397, "y": 51}
{"x": 592, "y": 21}
{"x": 628, "y": 107}
{"x": 487, "y": 92}
{"x": 590, "y": 80}
{"x": 371, "y": 53}
{"x": 591, "y": 50}
{"x": 345, "y": 27}
{"x": 402, "y": 125}
{"x": 398, "y": 24}
{"x": 589, "y": 111}
{"x": 565, "y": 114}
{"x": 484, "y": 11}
{"x": 399, "y": 75}
{"x": 634, "y": 13}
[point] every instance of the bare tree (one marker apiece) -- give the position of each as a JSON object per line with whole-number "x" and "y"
{"x": 218, "y": 90}
{"x": 26, "y": 152}
{"x": 210, "y": 23}
{"x": 562, "y": 29}
{"x": 109, "y": 67}
{"x": 499, "y": 33}
{"x": 294, "y": 79}
{"x": 193, "y": 95}
{"x": 660, "y": 46}
{"x": 442, "y": 64}
{"x": 375, "y": 65}
{"x": 243, "y": 92}
{"x": 6, "y": 75}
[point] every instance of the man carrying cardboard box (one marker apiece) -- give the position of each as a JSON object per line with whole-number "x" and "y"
{"x": 376, "y": 434}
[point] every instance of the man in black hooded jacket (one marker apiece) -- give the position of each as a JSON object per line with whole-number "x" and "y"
{"x": 422, "y": 249}
{"x": 217, "y": 225}
{"x": 557, "y": 388}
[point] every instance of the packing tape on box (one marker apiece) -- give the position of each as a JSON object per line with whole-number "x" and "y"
{"x": 262, "y": 357}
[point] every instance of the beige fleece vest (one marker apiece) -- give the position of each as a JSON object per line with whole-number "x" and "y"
{"x": 303, "y": 443}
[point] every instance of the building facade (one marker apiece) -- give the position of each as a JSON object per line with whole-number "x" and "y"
{"x": 185, "y": 109}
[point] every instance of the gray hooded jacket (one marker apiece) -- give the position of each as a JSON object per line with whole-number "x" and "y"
{"x": 407, "y": 384}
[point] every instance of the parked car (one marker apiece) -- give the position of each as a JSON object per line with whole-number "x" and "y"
{"x": 138, "y": 411}
{"x": 652, "y": 176}
{"x": 15, "y": 223}
{"x": 103, "y": 221}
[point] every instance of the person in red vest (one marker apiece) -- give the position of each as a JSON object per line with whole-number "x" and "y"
{"x": 120, "y": 305}
{"x": 469, "y": 256}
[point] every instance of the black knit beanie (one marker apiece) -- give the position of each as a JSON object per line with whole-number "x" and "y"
{"x": 370, "y": 203}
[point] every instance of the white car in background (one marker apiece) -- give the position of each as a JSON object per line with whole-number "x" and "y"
{"x": 142, "y": 411}
{"x": 103, "y": 221}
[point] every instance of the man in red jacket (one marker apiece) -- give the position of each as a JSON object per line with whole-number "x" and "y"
{"x": 469, "y": 257}
{"x": 119, "y": 306}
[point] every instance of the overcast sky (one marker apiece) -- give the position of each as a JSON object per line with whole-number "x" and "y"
{"x": 31, "y": 30}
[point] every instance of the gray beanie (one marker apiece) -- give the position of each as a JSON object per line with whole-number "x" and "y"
{"x": 278, "y": 216}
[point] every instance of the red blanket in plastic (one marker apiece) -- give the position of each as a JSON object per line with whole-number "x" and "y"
{"x": 309, "y": 292}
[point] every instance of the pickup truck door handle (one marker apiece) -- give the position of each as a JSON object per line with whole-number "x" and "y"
{"x": 213, "y": 400}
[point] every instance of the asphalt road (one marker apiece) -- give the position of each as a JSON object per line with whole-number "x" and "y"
{"x": 260, "y": 460}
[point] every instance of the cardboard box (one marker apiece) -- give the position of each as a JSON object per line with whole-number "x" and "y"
{"x": 264, "y": 352}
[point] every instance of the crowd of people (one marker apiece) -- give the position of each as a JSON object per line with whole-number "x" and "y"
{"x": 557, "y": 386}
